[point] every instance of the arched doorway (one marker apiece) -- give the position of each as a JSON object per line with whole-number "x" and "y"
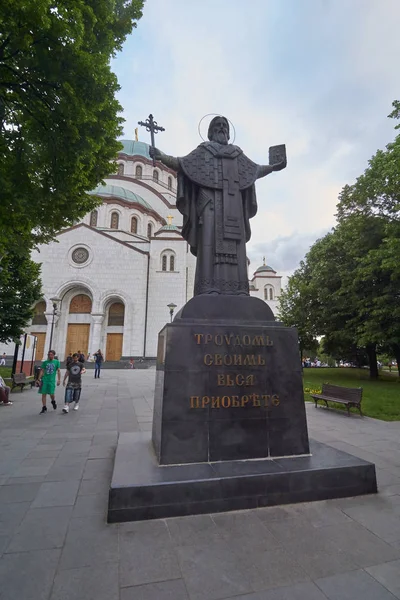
{"x": 78, "y": 332}
{"x": 115, "y": 335}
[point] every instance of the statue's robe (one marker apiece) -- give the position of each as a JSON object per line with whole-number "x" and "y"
{"x": 216, "y": 196}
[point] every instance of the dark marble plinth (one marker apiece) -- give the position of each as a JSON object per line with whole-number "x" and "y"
{"x": 141, "y": 489}
{"x": 228, "y": 388}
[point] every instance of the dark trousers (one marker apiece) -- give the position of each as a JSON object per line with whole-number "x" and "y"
{"x": 97, "y": 369}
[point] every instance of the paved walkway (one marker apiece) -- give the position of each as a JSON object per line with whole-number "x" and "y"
{"x": 55, "y": 545}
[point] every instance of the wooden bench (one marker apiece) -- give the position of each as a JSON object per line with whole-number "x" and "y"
{"x": 342, "y": 395}
{"x": 20, "y": 379}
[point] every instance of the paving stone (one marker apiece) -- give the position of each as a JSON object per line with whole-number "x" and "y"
{"x": 56, "y": 494}
{"x": 388, "y": 574}
{"x": 89, "y": 542}
{"x": 10, "y": 494}
{"x": 94, "y": 486}
{"x": 41, "y": 528}
{"x": 90, "y": 505}
{"x": 88, "y": 583}
{"x": 384, "y": 523}
{"x": 357, "y": 585}
{"x": 213, "y": 571}
{"x": 184, "y": 530}
{"x": 65, "y": 473}
{"x": 146, "y": 557}
{"x": 299, "y": 591}
{"x": 167, "y": 590}
{"x": 98, "y": 468}
{"x": 28, "y": 575}
{"x": 364, "y": 548}
{"x": 4, "y": 541}
{"x": 11, "y": 517}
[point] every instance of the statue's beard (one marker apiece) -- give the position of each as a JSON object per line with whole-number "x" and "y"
{"x": 221, "y": 137}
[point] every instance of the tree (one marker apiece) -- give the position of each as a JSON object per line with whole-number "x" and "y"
{"x": 20, "y": 289}
{"x": 296, "y": 310}
{"x": 58, "y": 113}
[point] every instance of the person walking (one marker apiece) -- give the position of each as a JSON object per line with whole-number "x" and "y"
{"x": 3, "y": 360}
{"x": 73, "y": 388}
{"x": 98, "y": 360}
{"x": 46, "y": 380}
{"x": 81, "y": 357}
{"x": 132, "y": 363}
{"x": 4, "y": 393}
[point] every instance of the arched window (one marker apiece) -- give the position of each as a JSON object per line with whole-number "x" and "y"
{"x": 134, "y": 224}
{"x": 138, "y": 172}
{"x": 168, "y": 260}
{"x": 268, "y": 292}
{"x": 170, "y": 183}
{"x": 116, "y": 314}
{"x": 155, "y": 175}
{"x": 80, "y": 304}
{"x": 39, "y": 318}
{"x": 93, "y": 218}
{"x": 149, "y": 230}
{"x": 120, "y": 169}
{"x": 114, "y": 223}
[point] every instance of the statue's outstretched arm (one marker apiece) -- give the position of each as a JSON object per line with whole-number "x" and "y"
{"x": 169, "y": 161}
{"x": 264, "y": 170}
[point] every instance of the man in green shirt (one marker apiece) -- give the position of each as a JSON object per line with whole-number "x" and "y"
{"x": 47, "y": 379}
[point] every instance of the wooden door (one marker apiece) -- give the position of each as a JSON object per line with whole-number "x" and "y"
{"x": 41, "y": 338}
{"x": 114, "y": 346}
{"x": 77, "y": 338}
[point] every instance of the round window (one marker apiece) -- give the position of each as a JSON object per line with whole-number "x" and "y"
{"x": 80, "y": 255}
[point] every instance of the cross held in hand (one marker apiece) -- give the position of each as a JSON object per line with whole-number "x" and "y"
{"x": 152, "y": 126}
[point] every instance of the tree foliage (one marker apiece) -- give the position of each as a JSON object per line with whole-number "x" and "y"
{"x": 348, "y": 287}
{"x": 59, "y": 118}
{"x": 20, "y": 289}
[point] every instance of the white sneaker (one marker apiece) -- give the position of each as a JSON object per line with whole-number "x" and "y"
{"x": 66, "y": 409}
{"x": 76, "y": 407}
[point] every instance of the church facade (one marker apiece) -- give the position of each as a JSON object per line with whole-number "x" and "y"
{"x": 108, "y": 281}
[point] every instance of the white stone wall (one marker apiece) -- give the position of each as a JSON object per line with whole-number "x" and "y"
{"x": 165, "y": 286}
{"x": 260, "y": 282}
{"x": 114, "y": 272}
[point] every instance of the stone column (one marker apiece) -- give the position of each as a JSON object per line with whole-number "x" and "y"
{"x": 95, "y": 333}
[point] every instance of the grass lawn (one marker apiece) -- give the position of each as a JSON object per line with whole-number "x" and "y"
{"x": 5, "y": 372}
{"x": 381, "y": 398}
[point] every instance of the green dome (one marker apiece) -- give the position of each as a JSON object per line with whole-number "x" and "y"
{"x": 265, "y": 268}
{"x": 119, "y": 192}
{"x": 170, "y": 228}
{"x": 133, "y": 148}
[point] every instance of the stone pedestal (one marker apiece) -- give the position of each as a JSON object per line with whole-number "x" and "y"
{"x": 229, "y": 425}
{"x": 229, "y": 388}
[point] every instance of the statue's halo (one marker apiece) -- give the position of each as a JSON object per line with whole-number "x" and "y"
{"x": 215, "y": 115}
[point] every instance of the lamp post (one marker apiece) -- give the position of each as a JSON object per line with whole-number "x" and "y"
{"x": 171, "y": 307}
{"x": 55, "y": 302}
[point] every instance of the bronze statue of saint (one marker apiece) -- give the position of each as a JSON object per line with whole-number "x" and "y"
{"x": 216, "y": 196}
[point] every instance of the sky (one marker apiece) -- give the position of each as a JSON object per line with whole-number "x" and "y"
{"x": 317, "y": 75}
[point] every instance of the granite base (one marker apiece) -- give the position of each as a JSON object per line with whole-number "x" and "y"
{"x": 141, "y": 489}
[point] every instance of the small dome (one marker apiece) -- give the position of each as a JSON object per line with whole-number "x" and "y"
{"x": 133, "y": 148}
{"x": 265, "y": 268}
{"x": 172, "y": 228}
{"x": 119, "y": 192}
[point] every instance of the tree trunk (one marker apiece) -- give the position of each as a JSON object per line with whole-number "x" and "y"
{"x": 373, "y": 362}
{"x": 396, "y": 352}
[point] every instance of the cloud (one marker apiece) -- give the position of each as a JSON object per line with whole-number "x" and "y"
{"x": 318, "y": 75}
